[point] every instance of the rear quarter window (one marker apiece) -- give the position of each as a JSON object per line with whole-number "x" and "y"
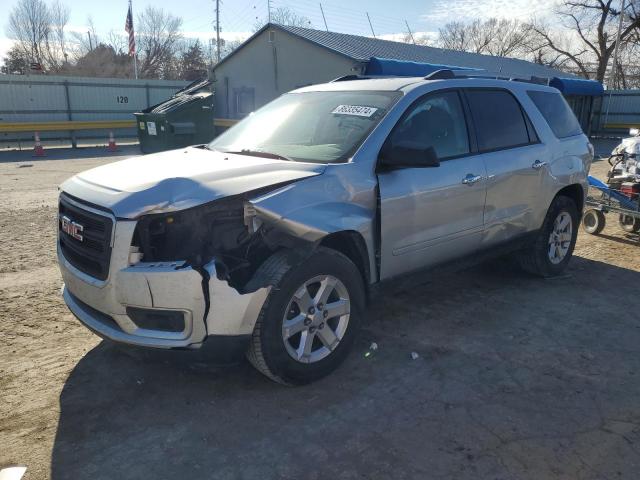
{"x": 557, "y": 113}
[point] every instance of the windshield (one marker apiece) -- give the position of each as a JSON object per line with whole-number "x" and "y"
{"x": 322, "y": 127}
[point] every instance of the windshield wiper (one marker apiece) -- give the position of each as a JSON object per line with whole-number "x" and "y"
{"x": 261, "y": 153}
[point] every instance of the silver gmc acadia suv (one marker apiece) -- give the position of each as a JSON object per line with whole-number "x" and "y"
{"x": 271, "y": 237}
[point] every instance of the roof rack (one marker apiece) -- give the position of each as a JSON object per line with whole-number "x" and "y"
{"x": 345, "y": 78}
{"x": 443, "y": 74}
{"x": 568, "y": 86}
{"x": 449, "y": 74}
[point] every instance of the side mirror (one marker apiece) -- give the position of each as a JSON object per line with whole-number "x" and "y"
{"x": 408, "y": 155}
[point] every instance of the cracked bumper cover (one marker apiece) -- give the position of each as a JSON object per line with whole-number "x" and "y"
{"x": 102, "y": 305}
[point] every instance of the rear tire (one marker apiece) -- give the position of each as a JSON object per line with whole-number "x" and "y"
{"x": 593, "y": 221}
{"x": 628, "y": 223}
{"x": 321, "y": 342}
{"x": 552, "y": 249}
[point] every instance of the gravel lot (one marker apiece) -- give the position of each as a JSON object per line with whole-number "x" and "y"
{"x": 517, "y": 378}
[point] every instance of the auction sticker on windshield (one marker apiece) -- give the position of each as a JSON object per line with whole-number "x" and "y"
{"x": 356, "y": 110}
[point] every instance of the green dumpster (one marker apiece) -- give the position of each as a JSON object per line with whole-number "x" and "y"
{"x": 185, "y": 119}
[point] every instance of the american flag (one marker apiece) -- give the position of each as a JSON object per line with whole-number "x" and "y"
{"x": 128, "y": 27}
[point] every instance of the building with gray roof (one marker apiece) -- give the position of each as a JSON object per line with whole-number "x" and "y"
{"x": 278, "y": 58}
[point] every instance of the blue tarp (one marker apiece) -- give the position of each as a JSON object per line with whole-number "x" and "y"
{"x": 577, "y": 86}
{"x": 404, "y": 68}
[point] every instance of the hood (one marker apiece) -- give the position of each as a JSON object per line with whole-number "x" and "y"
{"x": 180, "y": 179}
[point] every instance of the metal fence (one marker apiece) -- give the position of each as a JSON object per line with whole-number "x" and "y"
{"x": 27, "y": 99}
{"x": 39, "y": 98}
{"x": 616, "y": 112}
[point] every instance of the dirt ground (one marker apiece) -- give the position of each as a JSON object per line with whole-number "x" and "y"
{"x": 517, "y": 377}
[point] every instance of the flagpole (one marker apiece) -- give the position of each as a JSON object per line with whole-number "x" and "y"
{"x": 135, "y": 54}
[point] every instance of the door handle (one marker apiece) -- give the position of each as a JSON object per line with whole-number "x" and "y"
{"x": 470, "y": 179}
{"x": 537, "y": 165}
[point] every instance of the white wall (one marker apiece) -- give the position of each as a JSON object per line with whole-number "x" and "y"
{"x": 298, "y": 61}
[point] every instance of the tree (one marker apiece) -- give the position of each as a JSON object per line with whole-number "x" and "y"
{"x": 16, "y": 62}
{"x": 498, "y": 37}
{"x": 29, "y": 25}
{"x": 56, "y": 50}
{"x": 84, "y": 42}
{"x": 284, "y": 16}
{"x": 193, "y": 65}
{"x": 102, "y": 61}
{"x": 118, "y": 41}
{"x": 416, "y": 38}
{"x": 455, "y": 36}
{"x": 594, "y": 25}
{"x": 158, "y": 40}
{"x": 39, "y": 32}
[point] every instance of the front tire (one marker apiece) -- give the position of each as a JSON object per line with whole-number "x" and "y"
{"x": 552, "y": 249}
{"x": 309, "y": 321}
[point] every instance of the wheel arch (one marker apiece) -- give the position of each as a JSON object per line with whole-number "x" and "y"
{"x": 353, "y": 246}
{"x": 576, "y": 193}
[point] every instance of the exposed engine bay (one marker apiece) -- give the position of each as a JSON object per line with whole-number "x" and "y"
{"x": 226, "y": 230}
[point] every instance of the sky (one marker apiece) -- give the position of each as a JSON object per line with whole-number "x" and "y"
{"x": 237, "y": 17}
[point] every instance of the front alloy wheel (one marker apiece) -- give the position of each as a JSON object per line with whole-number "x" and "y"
{"x": 316, "y": 319}
{"x": 310, "y": 318}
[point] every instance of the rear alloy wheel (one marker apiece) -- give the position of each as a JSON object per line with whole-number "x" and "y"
{"x": 309, "y": 321}
{"x": 560, "y": 238}
{"x": 553, "y": 247}
{"x": 628, "y": 223}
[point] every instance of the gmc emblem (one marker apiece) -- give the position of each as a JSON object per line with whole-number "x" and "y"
{"x": 72, "y": 228}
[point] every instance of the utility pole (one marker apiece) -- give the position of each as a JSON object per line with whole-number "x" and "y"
{"x": 616, "y": 64}
{"x": 323, "y": 18}
{"x": 90, "y": 44}
{"x": 218, "y": 30}
{"x": 410, "y": 34}
{"x": 374, "y": 33}
{"x": 268, "y": 11}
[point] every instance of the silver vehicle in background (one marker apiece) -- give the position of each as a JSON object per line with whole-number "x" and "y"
{"x": 271, "y": 237}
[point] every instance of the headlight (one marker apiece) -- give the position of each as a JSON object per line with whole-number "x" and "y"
{"x": 194, "y": 235}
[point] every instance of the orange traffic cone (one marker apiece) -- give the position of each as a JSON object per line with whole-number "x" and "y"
{"x": 38, "y": 151}
{"x": 112, "y": 143}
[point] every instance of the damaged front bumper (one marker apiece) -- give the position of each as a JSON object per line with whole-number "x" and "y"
{"x": 157, "y": 304}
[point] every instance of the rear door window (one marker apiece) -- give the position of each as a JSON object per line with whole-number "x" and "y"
{"x": 498, "y": 119}
{"x": 557, "y": 113}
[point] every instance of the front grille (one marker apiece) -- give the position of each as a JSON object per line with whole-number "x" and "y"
{"x": 92, "y": 254}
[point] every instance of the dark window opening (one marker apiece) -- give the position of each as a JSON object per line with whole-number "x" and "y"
{"x": 435, "y": 121}
{"x": 557, "y": 113}
{"x": 498, "y": 119}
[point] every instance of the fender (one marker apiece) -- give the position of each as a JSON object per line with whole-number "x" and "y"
{"x": 312, "y": 208}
